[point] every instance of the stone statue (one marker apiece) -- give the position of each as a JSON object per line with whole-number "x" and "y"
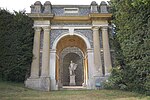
{"x": 72, "y": 68}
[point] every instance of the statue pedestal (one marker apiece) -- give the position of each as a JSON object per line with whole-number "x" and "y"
{"x": 72, "y": 80}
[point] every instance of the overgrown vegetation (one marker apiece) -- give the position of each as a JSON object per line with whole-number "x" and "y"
{"x": 16, "y": 36}
{"x": 132, "y": 45}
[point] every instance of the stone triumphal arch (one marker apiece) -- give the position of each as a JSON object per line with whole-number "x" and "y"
{"x": 69, "y": 33}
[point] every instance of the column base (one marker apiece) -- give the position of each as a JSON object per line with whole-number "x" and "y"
{"x": 96, "y": 82}
{"x": 60, "y": 85}
{"x": 42, "y": 83}
{"x": 54, "y": 86}
{"x": 90, "y": 83}
{"x": 84, "y": 84}
{"x": 107, "y": 74}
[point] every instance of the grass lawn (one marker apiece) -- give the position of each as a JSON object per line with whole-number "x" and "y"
{"x": 15, "y": 91}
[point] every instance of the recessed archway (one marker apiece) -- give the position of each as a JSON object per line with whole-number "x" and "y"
{"x": 79, "y": 72}
{"x": 71, "y": 41}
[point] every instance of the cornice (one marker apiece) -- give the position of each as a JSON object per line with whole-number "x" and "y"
{"x": 90, "y": 17}
{"x": 71, "y": 18}
{"x": 106, "y": 16}
{"x": 40, "y": 16}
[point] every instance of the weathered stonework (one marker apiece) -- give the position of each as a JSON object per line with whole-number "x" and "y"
{"x": 69, "y": 32}
{"x": 87, "y": 33}
{"x": 55, "y": 33}
{"x": 60, "y": 10}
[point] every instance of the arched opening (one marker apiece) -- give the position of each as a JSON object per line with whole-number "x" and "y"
{"x": 79, "y": 79}
{"x": 71, "y": 48}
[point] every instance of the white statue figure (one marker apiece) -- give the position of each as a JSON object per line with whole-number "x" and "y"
{"x": 72, "y": 68}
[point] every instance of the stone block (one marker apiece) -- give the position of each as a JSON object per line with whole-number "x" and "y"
{"x": 42, "y": 83}
{"x": 33, "y": 83}
{"x": 54, "y": 86}
{"x": 45, "y": 83}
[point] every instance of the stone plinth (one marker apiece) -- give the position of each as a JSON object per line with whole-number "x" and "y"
{"x": 33, "y": 83}
{"x": 72, "y": 80}
{"x": 42, "y": 83}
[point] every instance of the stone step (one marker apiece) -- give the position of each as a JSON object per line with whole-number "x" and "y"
{"x": 73, "y": 88}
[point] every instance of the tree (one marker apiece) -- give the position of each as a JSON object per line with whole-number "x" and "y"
{"x": 16, "y": 35}
{"x": 132, "y": 20}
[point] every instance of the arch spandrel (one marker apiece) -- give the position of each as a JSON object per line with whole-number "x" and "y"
{"x": 81, "y": 41}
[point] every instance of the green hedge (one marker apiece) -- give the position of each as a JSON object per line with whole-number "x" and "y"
{"x": 132, "y": 45}
{"x": 16, "y": 39}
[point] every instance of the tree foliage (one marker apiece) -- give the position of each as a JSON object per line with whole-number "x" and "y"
{"x": 16, "y": 36}
{"x": 132, "y": 45}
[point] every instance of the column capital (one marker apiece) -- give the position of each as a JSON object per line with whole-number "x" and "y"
{"x": 95, "y": 27}
{"x": 37, "y": 28}
{"x": 104, "y": 28}
{"x": 89, "y": 50}
{"x": 46, "y": 28}
{"x": 52, "y": 50}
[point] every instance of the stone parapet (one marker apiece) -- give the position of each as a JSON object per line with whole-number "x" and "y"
{"x": 74, "y": 10}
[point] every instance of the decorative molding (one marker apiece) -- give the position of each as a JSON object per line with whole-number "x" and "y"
{"x": 67, "y": 27}
{"x": 71, "y": 18}
{"x": 71, "y": 10}
{"x": 104, "y": 28}
{"x": 37, "y": 29}
{"x": 46, "y": 28}
{"x": 60, "y": 36}
{"x": 70, "y": 24}
{"x": 71, "y": 30}
{"x": 95, "y": 28}
{"x": 40, "y": 16}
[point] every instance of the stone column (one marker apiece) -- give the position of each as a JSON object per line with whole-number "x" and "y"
{"x": 97, "y": 52}
{"x": 86, "y": 71}
{"x": 52, "y": 69}
{"x": 36, "y": 54}
{"x": 106, "y": 50}
{"x": 46, "y": 53}
{"x": 84, "y": 64}
{"x": 91, "y": 69}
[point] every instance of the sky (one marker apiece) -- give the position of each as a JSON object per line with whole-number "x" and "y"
{"x": 19, "y": 5}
